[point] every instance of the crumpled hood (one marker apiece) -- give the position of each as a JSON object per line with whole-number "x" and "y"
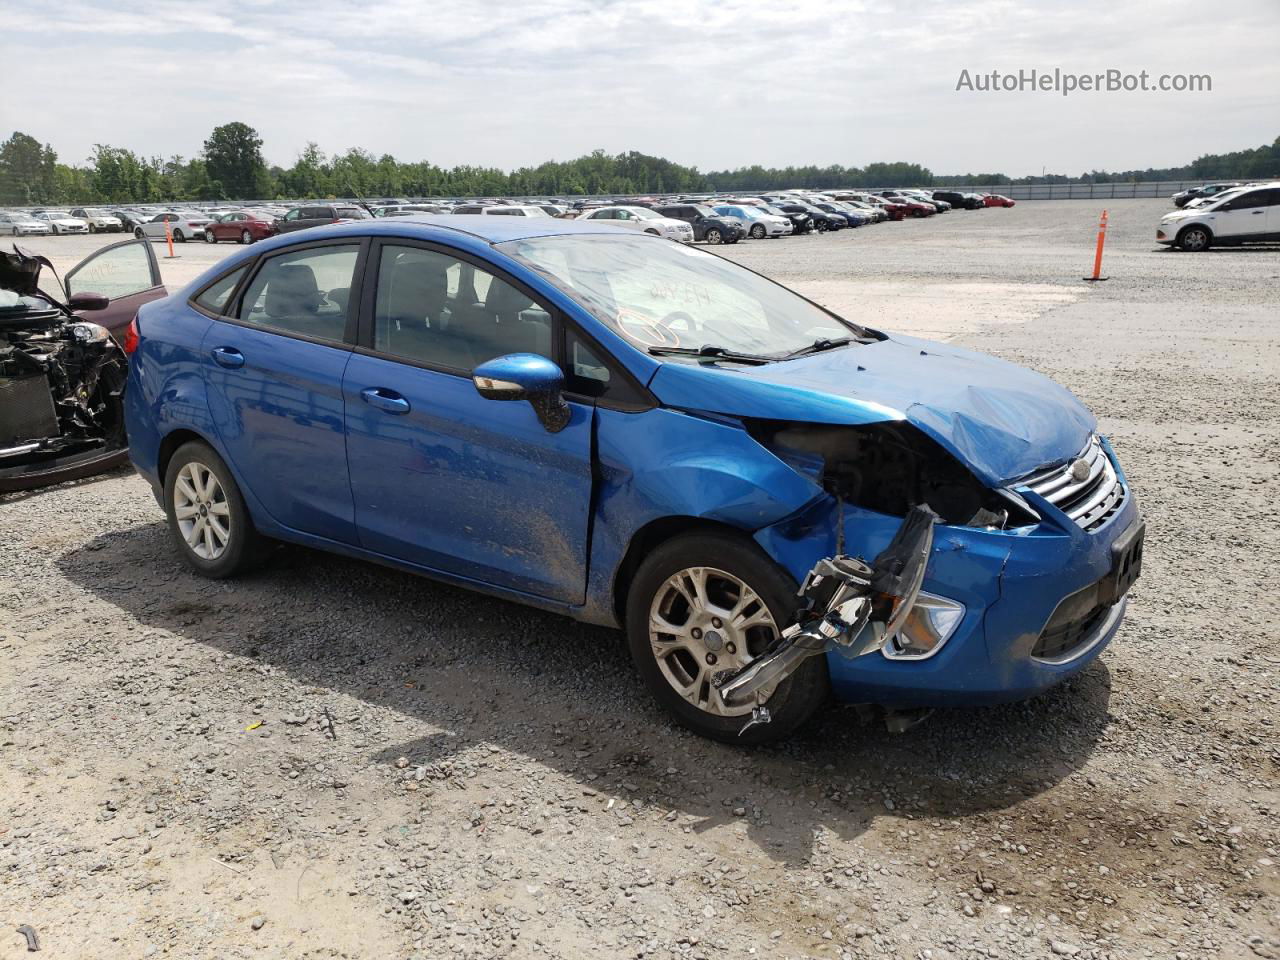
{"x": 1003, "y": 421}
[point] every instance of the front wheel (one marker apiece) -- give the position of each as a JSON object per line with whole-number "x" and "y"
{"x": 757, "y": 232}
{"x": 1195, "y": 239}
{"x": 137, "y": 232}
{"x": 708, "y": 603}
{"x": 209, "y": 237}
{"x": 93, "y": 228}
{"x": 208, "y": 520}
{"x": 713, "y": 236}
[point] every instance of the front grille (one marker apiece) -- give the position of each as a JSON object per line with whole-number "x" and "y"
{"x": 1090, "y": 502}
{"x": 1073, "y": 626}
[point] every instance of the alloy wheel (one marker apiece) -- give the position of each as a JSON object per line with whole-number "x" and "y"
{"x": 246, "y": 237}
{"x": 704, "y": 622}
{"x": 201, "y": 510}
{"x": 1195, "y": 240}
{"x": 713, "y": 235}
{"x": 757, "y": 232}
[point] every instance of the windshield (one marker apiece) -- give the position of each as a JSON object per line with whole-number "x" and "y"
{"x": 661, "y": 294}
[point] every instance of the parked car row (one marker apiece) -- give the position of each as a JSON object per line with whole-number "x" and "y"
{"x": 1247, "y": 213}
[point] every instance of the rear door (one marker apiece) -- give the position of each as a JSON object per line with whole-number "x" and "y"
{"x": 127, "y": 273}
{"x": 273, "y": 366}
{"x": 442, "y": 477}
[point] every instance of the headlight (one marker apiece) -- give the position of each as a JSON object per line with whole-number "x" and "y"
{"x": 89, "y": 332}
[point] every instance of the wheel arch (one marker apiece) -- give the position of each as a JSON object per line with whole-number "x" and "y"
{"x": 170, "y": 443}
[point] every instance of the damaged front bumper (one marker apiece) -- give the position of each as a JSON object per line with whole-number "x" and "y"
{"x": 1000, "y": 591}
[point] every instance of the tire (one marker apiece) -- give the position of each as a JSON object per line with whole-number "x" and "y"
{"x": 821, "y": 226}
{"x": 246, "y": 237}
{"x": 209, "y": 237}
{"x": 727, "y": 557}
{"x": 757, "y": 232}
{"x": 137, "y": 232}
{"x": 1195, "y": 239}
{"x": 713, "y": 235}
{"x": 178, "y": 237}
{"x": 242, "y": 548}
{"x": 93, "y": 228}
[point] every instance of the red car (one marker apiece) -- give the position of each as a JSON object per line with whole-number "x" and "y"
{"x": 243, "y": 226}
{"x": 996, "y": 200}
{"x": 895, "y": 209}
{"x": 915, "y": 208}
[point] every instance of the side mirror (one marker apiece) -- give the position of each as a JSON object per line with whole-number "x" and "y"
{"x": 87, "y": 301}
{"x": 525, "y": 376}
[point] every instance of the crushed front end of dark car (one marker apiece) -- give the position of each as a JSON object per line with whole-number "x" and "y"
{"x": 61, "y": 385}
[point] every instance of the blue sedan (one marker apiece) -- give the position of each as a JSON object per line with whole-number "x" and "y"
{"x": 775, "y": 503}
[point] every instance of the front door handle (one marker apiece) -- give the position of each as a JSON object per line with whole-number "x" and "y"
{"x": 385, "y": 399}
{"x": 228, "y": 357}
{"x": 1256, "y": 212}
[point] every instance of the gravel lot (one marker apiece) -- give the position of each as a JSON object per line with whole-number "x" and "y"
{"x": 331, "y": 759}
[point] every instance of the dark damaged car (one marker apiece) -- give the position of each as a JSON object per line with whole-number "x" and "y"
{"x": 62, "y": 376}
{"x": 776, "y": 504}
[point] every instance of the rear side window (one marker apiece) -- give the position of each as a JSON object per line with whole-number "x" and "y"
{"x": 215, "y": 296}
{"x": 304, "y": 293}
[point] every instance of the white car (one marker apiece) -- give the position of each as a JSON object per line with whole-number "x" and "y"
{"x": 642, "y": 218}
{"x": 516, "y": 210}
{"x": 1246, "y": 215}
{"x": 60, "y": 221}
{"x": 756, "y": 223}
{"x": 22, "y": 225}
{"x": 99, "y": 220}
{"x": 184, "y": 225}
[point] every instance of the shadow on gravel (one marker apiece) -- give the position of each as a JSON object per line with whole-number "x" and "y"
{"x": 485, "y": 672}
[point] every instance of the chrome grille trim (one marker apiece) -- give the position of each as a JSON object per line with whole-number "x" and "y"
{"x": 1089, "y": 502}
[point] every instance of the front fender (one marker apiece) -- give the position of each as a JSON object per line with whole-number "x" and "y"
{"x": 664, "y": 463}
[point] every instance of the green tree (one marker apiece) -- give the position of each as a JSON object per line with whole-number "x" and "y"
{"x": 233, "y": 157}
{"x": 27, "y": 171}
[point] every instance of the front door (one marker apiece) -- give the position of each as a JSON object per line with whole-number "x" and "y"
{"x": 274, "y": 373}
{"x": 442, "y": 477}
{"x": 1242, "y": 216}
{"x": 126, "y": 273}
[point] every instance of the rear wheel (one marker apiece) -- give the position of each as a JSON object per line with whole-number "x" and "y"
{"x": 704, "y": 604}
{"x": 1195, "y": 239}
{"x": 137, "y": 232}
{"x": 179, "y": 237}
{"x": 208, "y": 520}
{"x": 246, "y": 237}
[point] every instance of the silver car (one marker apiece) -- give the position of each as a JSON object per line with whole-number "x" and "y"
{"x": 22, "y": 225}
{"x": 184, "y": 225}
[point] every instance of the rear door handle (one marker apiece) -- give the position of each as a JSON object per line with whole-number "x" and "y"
{"x": 228, "y": 357}
{"x": 1256, "y": 212}
{"x": 385, "y": 399}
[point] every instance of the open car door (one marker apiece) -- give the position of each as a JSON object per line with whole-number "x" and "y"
{"x": 126, "y": 273}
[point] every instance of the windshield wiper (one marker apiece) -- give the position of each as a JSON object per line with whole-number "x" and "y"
{"x": 712, "y": 351}
{"x": 822, "y": 343}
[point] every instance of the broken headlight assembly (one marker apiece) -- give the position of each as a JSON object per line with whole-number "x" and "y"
{"x": 890, "y": 468}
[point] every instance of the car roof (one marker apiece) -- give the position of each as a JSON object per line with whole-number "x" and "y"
{"x": 488, "y": 229}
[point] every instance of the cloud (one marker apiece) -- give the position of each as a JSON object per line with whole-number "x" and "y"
{"x": 717, "y": 84}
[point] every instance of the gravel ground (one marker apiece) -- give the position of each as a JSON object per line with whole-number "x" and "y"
{"x": 330, "y": 759}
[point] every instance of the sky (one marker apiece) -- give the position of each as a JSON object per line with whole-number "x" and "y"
{"x": 717, "y": 84}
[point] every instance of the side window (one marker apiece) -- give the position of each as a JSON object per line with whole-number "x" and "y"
{"x": 437, "y": 309}
{"x": 293, "y": 215}
{"x": 622, "y": 214}
{"x": 1248, "y": 201}
{"x": 588, "y": 374}
{"x": 1271, "y": 198}
{"x": 304, "y": 293}
{"x": 215, "y": 296}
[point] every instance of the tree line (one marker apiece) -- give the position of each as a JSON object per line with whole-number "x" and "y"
{"x": 230, "y": 166}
